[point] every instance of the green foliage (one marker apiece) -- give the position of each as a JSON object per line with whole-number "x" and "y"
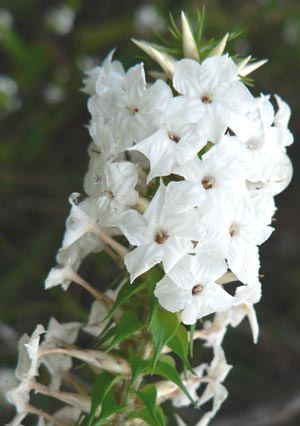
{"x": 127, "y": 325}
{"x": 153, "y": 414}
{"x": 179, "y": 344}
{"x": 163, "y": 326}
{"x": 138, "y": 366}
{"x": 169, "y": 372}
{"x": 102, "y": 386}
{"x": 128, "y": 290}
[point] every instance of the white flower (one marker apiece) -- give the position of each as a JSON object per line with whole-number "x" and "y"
{"x": 82, "y": 232}
{"x": 102, "y": 78}
{"x": 263, "y": 203}
{"x": 117, "y": 187}
{"x": 221, "y": 171}
{"x": 177, "y": 140}
{"x": 255, "y": 126}
{"x": 133, "y": 107}
{"x": 58, "y": 364}
{"x": 19, "y": 396}
{"x": 215, "y": 83}
{"x": 28, "y": 362}
{"x": 60, "y": 276}
{"x": 281, "y": 121}
{"x": 193, "y": 382}
{"x": 215, "y": 390}
{"x": 164, "y": 232}
{"x": 245, "y": 233}
{"x": 190, "y": 287}
{"x": 245, "y": 298}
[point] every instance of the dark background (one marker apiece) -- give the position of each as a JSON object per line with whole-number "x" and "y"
{"x": 43, "y": 157}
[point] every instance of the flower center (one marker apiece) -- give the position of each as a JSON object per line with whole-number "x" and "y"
{"x": 174, "y": 137}
{"x": 206, "y": 99}
{"x": 233, "y": 230}
{"x": 161, "y": 237}
{"x": 208, "y": 182}
{"x": 109, "y": 193}
{"x": 134, "y": 110}
{"x": 197, "y": 289}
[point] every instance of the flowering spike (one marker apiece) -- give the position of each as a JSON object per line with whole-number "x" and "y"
{"x": 165, "y": 61}
{"x": 218, "y": 50}
{"x": 189, "y": 45}
{"x": 180, "y": 188}
{"x": 248, "y": 69}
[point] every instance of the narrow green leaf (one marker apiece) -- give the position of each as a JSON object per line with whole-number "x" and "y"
{"x": 101, "y": 386}
{"x": 109, "y": 407}
{"x": 179, "y": 344}
{"x": 148, "y": 396}
{"x": 128, "y": 325}
{"x": 163, "y": 326}
{"x": 128, "y": 290}
{"x": 169, "y": 372}
{"x": 138, "y": 366}
{"x": 144, "y": 415}
{"x": 191, "y": 337}
{"x": 106, "y": 336}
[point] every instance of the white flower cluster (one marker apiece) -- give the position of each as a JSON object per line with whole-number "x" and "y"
{"x": 216, "y": 156}
{"x": 187, "y": 172}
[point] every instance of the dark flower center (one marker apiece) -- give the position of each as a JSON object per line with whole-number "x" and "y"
{"x": 208, "y": 182}
{"x": 161, "y": 237}
{"x": 206, "y": 99}
{"x": 233, "y": 230}
{"x": 174, "y": 137}
{"x": 197, "y": 289}
{"x": 109, "y": 193}
{"x": 134, "y": 110}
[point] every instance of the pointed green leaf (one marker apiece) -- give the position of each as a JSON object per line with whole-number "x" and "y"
{"x": 191, "y": 337}
{"x": 109, "y": 407}
{"x": 128, "y": 290}
{"x": 101, "y": 386}
{"x": 163, "y": 327}
{"x": 148, "y": 396}
{"x": 179, "y": 344}
{"x": 128, "y": 325}
{"x": 138, "y": 366}
{"x": 169, "y": 372}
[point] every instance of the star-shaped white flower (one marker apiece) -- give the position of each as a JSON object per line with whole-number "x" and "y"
{"x": 58, "y": 364}
{"x": 177, "y": 139}
{"x": 190, "y": 287}
{"x": 133, "y": 108}
{"x": 221, "y": 171}
{"x": 28, "y": 362}
{"x": 216, "y": 85}
{"x": 165, "y": 231}
{"x": 245, "y": 233}
{"x": 102, "y": 78}
{"x": 118, "y": 193}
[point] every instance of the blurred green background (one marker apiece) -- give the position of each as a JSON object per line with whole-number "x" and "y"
{"x": 43, "y": 156}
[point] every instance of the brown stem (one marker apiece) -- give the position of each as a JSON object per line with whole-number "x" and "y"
{"x": 40, "y": 413}
{"x": 111, "y": 363}
{"x": 83, "y": 402}
{"x": 97, "y": 294}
